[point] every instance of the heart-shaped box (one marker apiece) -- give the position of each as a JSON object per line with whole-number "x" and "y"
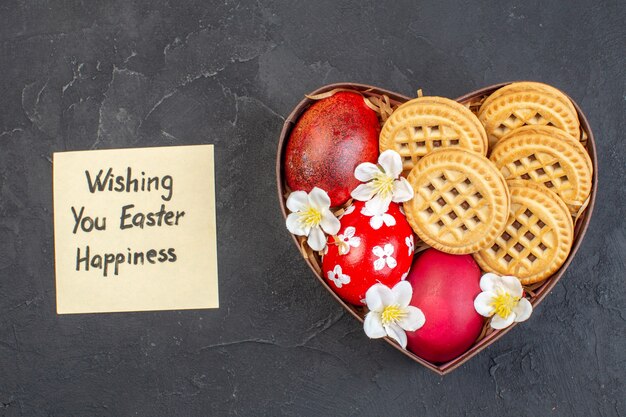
{"x": 472, "y": 99}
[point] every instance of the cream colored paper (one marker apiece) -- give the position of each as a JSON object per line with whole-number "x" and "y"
{"x": 188, "y": 282}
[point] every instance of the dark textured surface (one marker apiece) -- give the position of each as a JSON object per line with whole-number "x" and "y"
{"x": 102, "y": 74}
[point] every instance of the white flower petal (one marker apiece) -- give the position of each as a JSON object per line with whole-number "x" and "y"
{"x": 413, "y": 320}
{"x": 512, "y": 285}
{"x": 522, "y": 310}
{"x": 402, "y": 293}
{"x": 391, "y": 262}
{"x": 355, "y": 242}
{"x": 377, "y": 297}
{"x": 482, "y": 304}
{"x": 378, "y": 251}
{"x": 297, "y": 201}
{"x": 373, "y": 326}
{"x": 349, "y": 232}
{"x": 402, "y": 190}
{"x": 366, "y": 212}
{"x": 396, "y": 333}
{"x": 363, "y": 192}
{"x": 410, "y": 243}
{"x": 498, "y": 322}
{"x": 366, "y": 171}
{"x": 319, "y": 199}
{"x": 488, "y": 282}
{"x": 329, "y": 222}
{"x": 379, "y": 264}
{"x": 341, "y": 279}
{"x": 317, "y": 239}
{"x": 388, "y": 249}
{"x": 337, "y": 269}
{"x": 376, "y": 222}
{"x": 378, "y": 204}
{"x": 295, "y": 226}
{"x": 391, "y": 162}
{"x": 389, "y": 220}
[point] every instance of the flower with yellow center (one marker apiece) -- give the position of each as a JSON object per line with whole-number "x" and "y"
{"x": 390, "y": 313}
{"x": 502, "y": 299}
{"x": 503, "y": 304}
{"x": 311, "y": 217}
{"x": 383, "y": 183}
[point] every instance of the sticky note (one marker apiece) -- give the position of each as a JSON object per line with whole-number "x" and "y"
{"x": 134, "y": 229}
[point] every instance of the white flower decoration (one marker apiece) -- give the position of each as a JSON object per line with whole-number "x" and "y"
{"x": 311, "y": 217}
{"x": 390, "y": 313}
{"x": 349, "y": 210}
{"x": 382, "y": 184}
{"x": 377, "y": 219}
{"x": 384, "y": 257}
{"x": 410, "y": 243}
{"x": 405, "y": 275}
{"x": 347, "y": 240}
{"x": 502, "y": 299}
{"x": 338, "y": 277}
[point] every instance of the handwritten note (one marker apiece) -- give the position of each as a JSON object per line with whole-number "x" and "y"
{"x": 134, "y": 229}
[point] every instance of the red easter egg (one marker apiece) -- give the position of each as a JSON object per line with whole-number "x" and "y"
{"x": 329, "y": 140}
{"x": 368, "y": 249}
{"x": 444, "y": 288}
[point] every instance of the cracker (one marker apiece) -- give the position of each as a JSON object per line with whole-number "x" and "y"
{"x": 548, "y": 156}
{"x": 461, "y": 201}
{"x": 525, "y": 86}
{"x": 516, "y": 108}
{"x": 427, "y": 123}
{"x": 537, "y": 238}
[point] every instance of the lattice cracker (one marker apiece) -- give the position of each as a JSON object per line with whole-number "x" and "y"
{"x": 461, "y": 201}
{"x": 530, "y": 86}
{"x": 537, "y": 239}
{"x": 513, "y": 110}
{"x": 427, "y": 123}
{"x": 458, "y": 107}
{"x": 548, "y": 156}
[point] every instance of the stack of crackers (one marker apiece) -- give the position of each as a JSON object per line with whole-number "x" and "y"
{"x": 502, "y": 184}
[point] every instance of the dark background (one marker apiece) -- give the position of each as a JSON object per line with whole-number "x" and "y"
{"x": 104, "y": 74}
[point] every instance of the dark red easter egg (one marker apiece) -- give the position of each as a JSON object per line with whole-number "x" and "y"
{"x": 329, "y": 140}
{"x": 368, "y": 249}
{"x": 444, "y": 288}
